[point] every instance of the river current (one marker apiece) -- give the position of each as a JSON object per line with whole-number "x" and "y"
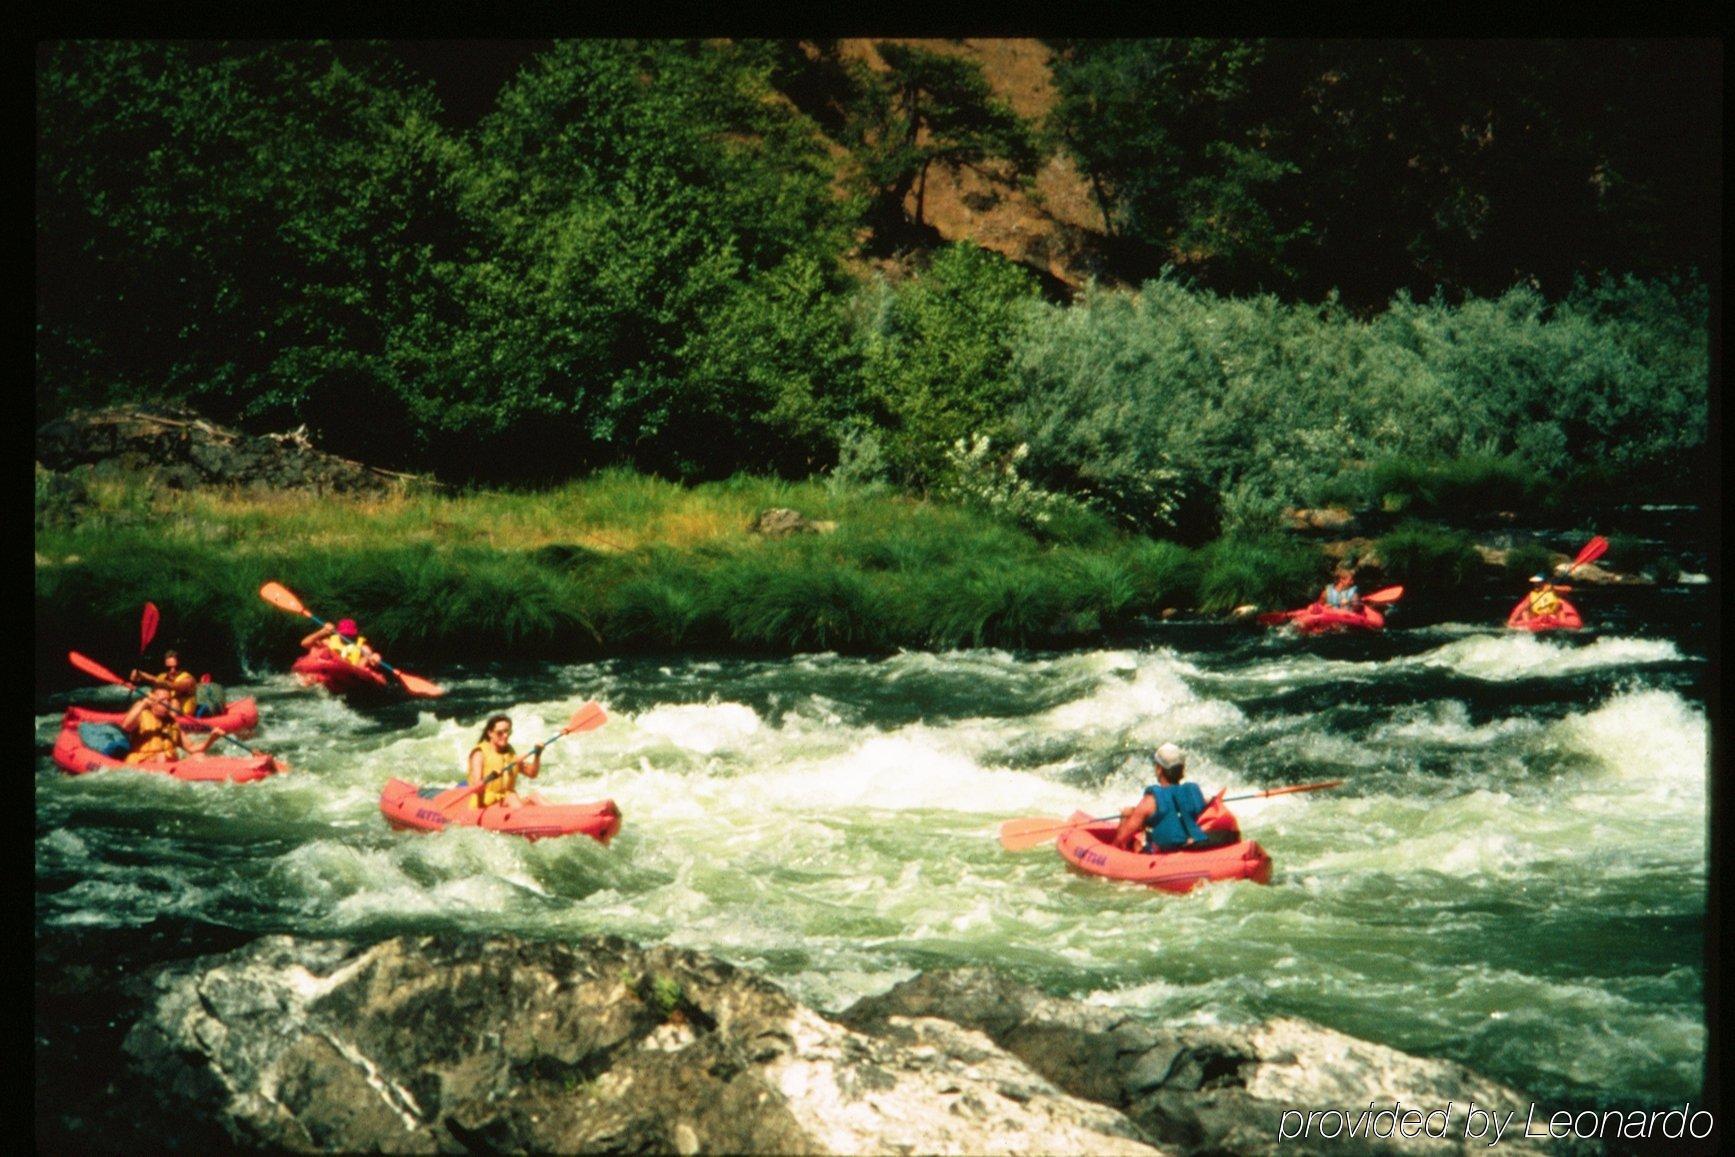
{"x": 1512, "y": 875}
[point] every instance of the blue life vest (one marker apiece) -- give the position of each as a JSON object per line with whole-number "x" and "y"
{"x": 1175, "y": 818}
{"x": 1343, "y": 598}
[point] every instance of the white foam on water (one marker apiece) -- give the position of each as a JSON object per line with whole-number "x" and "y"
{"x": 1446, "y": 722}
{"x": 1653, "y": 742}
{"x": 1521, "y": 654}
{"x": 703, "y": 728}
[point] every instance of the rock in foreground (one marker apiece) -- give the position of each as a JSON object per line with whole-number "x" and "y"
{"x": 448, "y": 1045}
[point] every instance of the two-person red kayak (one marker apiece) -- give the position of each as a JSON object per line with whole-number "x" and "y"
{"x": 72, "y": 755}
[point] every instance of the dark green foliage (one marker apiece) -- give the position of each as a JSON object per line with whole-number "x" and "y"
{"x": 260, "y": 228}
{"x": 1267, "y": 570}
{"x": 637, "y": 256}
{"x": 1261, "y": 164}
{"x": 1427, "y": 556}
{"x": 1164, "y": 574}
{"x": 60, "y": 498}
{"x": 1526, "y": 560}
{"x": 937, "y": 356}
{"x": 1470, "y": 486}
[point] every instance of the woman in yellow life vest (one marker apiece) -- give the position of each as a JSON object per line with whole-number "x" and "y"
{"x": 495, "y": 765}
{"x": 151, "y": 728}
{"x": 346, "y": 641}
{"x": 180, "y": 684}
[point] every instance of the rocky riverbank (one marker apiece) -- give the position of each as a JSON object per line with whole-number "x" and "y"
{"x": 460, "y": 1044}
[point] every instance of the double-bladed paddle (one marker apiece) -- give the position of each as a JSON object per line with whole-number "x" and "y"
{"x": 588, "y": 717}
{"x": 97, "y": 671}
{"x": 283, "y": 598}
{"x": 1017, "y": 835}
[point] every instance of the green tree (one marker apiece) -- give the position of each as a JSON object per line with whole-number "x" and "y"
{"x": 932, "y": 109}
{"x": 936, "y": 355}
{"x": 630, "y": 194}
{"x": 254, "y": 228}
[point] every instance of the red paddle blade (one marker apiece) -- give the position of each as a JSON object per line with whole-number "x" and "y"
{"x": 587, "y": 718}
{"x": 94, "y": 669}
{"x": 420, "y": 687}
{"x": 282, "y": 597}
{"x": 1384, "y": 595}
{"x": 1593, "y": 550}
{"x": 148, "y": 626}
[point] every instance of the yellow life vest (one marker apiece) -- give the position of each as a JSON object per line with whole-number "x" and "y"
{"x": 183, "y": 687}
{"x": 156, "y": 739}
{"x": 349, "y": 652}
{"x": 492, "y": 761}
{"x": 1544, "y": 602}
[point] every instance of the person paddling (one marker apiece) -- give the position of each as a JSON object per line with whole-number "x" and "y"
{"x": 1341, "y": 594}
{"x": 345, "y": 640}
{"x": 1544, "y": 598}
{"x": 153, "y": 733}
{"x": 183, "y": 689}
{"x": 1168, "y": 812}
{"x": 493, "y": 756}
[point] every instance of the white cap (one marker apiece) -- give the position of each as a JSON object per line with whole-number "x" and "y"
{"x": 1169, "y": 757}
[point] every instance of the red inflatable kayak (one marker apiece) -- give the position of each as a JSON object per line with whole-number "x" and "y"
{"x": 240, "y": 718}
{"x": 1318, "y": 617}
{"x": 408, "y": 807}
{"x": 324, "y": 669}
{"x": 1088, "y": 849}
{"x": 73, "y": 756}
{"x": 1565, "y": 619}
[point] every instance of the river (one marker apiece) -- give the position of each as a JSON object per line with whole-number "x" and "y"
{"x": 1513, "y": 874}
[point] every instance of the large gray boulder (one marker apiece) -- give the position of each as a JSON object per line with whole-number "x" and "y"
{"x": 423, "y": 1045}
{"x": 1217, "y": 1089}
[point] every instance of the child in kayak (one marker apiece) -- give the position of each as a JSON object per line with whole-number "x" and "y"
{"x": 346, "y": 641}
{"x": 154, "y": 735}
{"x": 177, "y": 681}
{"x": 1169, "y": 810}
{"x": 1342, "y": 594}
{"x": 491, "y": 763}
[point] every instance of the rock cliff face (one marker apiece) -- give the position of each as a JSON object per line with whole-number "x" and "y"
{"x": 449, "y": 1045}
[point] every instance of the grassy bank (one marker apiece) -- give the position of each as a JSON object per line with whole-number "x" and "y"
{"x": 619, "y": 563}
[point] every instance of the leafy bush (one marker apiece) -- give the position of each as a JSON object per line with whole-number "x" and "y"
{"x": 1426, "y": 555}
{"x": 1268, "y": 570}
{"x": 936, "y": 355}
